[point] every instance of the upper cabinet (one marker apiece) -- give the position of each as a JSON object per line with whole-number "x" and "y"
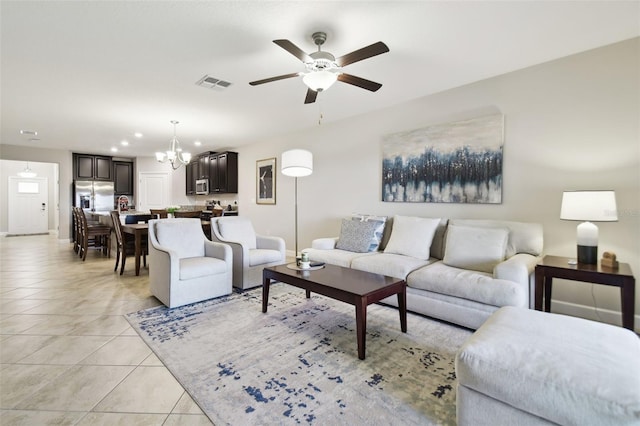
{"x": 92, "y": 167}
{"x": 223, "y": 173}
{"x": 192, "y": 173}
{"x": 123, "y": 177}
{"x": 220, "y": 168}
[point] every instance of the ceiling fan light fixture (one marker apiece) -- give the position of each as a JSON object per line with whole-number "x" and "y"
{"x": 319, "y": 80}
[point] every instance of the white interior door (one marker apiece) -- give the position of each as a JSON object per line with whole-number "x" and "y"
{"x": 154, "y": 191}
{"x": 28, "y": 212}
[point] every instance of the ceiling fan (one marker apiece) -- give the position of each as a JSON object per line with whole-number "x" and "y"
{"x": 323, "y": 69}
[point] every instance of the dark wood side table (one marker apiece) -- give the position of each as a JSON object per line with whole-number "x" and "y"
{"x": 558, "y": 267}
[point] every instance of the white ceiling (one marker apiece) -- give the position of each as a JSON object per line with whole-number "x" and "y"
{"x": 87, "y": 74}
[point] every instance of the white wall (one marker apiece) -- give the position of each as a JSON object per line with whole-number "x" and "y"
{"x": 569, "y": 124}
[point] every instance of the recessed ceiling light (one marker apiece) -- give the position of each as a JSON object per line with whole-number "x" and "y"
{"x": 124, "y": 143}
{"x": 137, "y": 134}
{"x": 197, "y": 143}
{"x": 114, "y": 149}
{"x": 28, "y": 132}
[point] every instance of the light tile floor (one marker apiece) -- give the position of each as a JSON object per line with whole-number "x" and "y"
{"x": 67, "y": 354}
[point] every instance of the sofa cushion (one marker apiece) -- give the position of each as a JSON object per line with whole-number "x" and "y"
{"x": 392, "y": 265}
{"x": 524, "y": 237}
{"x": 238, "y": 229}
{"x": 184, "y": 236}
{"x": 196, "y": 267}
{"x": 470, "y": 285}
{"x": 478, "y": 249}
{"x": 335, "y": 257}
{"x": 378, "y": 234}
{"x": 412, "y": 236}
{"x": 357, "y": 236}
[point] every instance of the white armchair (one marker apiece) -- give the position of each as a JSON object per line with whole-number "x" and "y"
{"x": 185, "y": 267}
{"x": 251, "y": 252}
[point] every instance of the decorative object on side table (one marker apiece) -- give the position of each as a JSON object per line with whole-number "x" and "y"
{"x": 588, "y": 206}
{"x": 609, "y": 260}
{"x": 266, "y": 181}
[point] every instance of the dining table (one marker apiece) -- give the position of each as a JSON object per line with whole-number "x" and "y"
{"x": 141, "y": 230}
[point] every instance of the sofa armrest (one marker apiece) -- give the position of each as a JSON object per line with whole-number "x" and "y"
{"x": 517, "y": 268}
{"x": 324, "y": 243}
{"x": 270, "y": 243}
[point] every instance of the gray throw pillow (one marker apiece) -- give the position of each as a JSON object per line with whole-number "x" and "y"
{"x": 356, "y": 236}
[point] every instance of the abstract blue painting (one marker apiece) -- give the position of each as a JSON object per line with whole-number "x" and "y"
{"x": 457, "y": 162}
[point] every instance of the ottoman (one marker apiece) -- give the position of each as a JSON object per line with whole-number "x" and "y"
{"x": 525, "y": 367}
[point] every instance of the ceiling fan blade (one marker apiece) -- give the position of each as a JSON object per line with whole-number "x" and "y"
{"x": 311, "y": 96}
{"x": 269, "y": 80}
{"x": 294, "y": 50}
{"x": 364, "y": 53}
{"x": 360, "y": 82}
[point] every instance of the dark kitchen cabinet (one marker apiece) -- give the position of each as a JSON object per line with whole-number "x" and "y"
{"x": 123, "y": 177}
{"x": 203, "y": 166}
{"x": 191, "y": 176}
{"x": 223, "y": 173}
{"x": 92, "y": 167}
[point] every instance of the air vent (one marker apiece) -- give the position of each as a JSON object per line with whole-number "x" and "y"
{"x": 213, "y": 83}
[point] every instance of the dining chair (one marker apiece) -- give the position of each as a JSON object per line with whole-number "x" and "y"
{"x": 93, "y": 235}
{"x": 125, "y": 246}
{"x": 137, "y": 218}
{"x": 160, "y": 213}
{"x": 191, "y": 213}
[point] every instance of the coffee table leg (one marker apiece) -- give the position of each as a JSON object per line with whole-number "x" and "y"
{"x": 361, "y": 326}
{"x": 265, "y": 292}
{"x": 402, "y": 308}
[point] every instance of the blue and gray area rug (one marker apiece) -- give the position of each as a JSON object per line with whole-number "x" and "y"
{"x": 298, "y": 363}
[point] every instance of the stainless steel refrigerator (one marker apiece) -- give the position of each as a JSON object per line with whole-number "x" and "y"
{"x": 93, "y": 195}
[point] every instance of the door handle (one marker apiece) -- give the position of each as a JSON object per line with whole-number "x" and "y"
{"x": 44, "y": 206}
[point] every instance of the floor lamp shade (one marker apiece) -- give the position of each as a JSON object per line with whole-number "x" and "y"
{"x": 588, "y": 206}
{"x": 297, "y": 163}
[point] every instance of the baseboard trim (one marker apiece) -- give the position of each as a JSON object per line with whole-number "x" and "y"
{"x": 589, "y": 312}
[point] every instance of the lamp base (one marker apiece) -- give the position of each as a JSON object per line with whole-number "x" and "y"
{"x": 588, "y": 255}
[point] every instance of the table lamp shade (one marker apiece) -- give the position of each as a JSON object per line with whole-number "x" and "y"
{"x": 297, "y": 163}
{"x": 588, "y": 206}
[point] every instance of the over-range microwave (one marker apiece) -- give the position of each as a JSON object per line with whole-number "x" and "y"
{"x": 202, "y": 186}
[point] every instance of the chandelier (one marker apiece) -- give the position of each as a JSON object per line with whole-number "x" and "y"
{"x": 175, "y": 155}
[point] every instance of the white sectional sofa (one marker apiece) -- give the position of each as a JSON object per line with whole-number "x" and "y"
{"x": 457, "y": 270}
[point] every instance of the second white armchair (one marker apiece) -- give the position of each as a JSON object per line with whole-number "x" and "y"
{"x": 251, "y": 252}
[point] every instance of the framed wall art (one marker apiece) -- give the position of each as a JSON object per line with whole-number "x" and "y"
{"x": 457, "y": 162}
{"x": 266, "y": 181}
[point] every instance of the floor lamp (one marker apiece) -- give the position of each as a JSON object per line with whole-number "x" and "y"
{"x": 297, "y": 163}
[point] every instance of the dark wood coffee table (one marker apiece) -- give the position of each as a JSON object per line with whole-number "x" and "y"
{"x": 351, "y": 286}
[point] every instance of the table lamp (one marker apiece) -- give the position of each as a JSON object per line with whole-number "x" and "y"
{"x": 297, "y": 163}
{"x": 588, "y": 206}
